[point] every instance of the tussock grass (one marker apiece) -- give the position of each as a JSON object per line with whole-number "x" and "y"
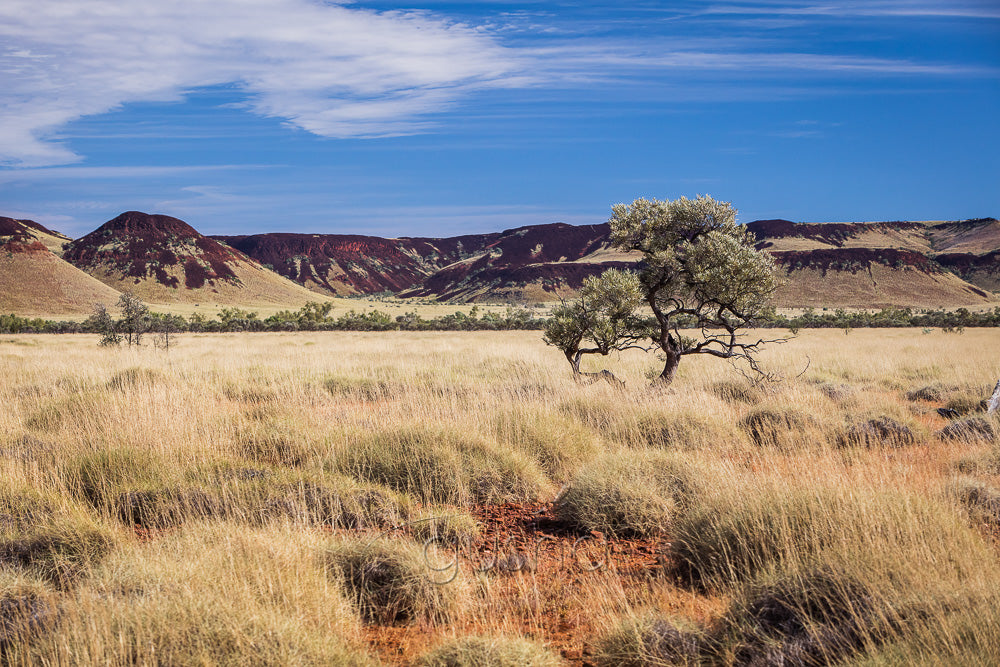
{"x": 210, "y": 594}
{"x": 559, "y": 444}
{"x": 444, "y": 525}
{"x": 443, "y": 465}
{"x": 483, "y": 651}
{"x": 637, "y": 494}
{"x": 737, "y": 531}
{"x": 649, "y": 641}
{"x": 395, "y": 581}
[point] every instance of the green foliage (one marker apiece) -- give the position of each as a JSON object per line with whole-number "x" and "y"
{"x": 603, "y": 316}
{"x": 135, "y": 321}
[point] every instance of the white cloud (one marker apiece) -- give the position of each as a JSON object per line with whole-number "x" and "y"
{"x": 332, "y": 70}
{"x": 343, "y": 71}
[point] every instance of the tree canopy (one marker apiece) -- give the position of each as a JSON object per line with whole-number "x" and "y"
{"x": 699, "y": 272}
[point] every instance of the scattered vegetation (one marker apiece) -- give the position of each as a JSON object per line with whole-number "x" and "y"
{"x": 269, "y": 500}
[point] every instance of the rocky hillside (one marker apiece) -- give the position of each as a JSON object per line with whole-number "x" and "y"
{"x": 881, "y": 264}
{"x": 35, "y": 281}
{"x": 163, "y": 259}
{"x": 341, "y": 264}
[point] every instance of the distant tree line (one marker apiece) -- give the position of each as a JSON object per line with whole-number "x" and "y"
{"x": 317, "y": 317}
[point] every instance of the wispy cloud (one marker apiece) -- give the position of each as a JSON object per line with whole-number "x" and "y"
{"x": 332, "y": 70}
{"x": 340, "y": 70}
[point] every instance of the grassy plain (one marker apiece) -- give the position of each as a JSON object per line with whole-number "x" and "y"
{"x": 266, "y": 498}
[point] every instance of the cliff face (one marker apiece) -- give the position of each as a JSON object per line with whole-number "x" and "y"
{"x": 883, "y": 263}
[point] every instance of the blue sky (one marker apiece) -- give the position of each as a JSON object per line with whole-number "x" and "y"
{"x": 436, "y": 118}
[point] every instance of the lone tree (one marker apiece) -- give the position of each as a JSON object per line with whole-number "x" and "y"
{"x": 699, "y": 271}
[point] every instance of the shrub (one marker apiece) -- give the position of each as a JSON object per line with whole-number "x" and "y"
{"x": 481, "y": 651}
{"x": 391, "y": 581}
{"x": 631, "y": 493}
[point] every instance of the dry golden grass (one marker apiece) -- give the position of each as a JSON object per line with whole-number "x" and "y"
{"x": 270, "y": 475}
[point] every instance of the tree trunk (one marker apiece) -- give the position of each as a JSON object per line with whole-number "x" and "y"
{"x": 574, "y": 362}
{"x": 673, "y": 359}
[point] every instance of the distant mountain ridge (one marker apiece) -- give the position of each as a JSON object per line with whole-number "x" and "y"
{"x": 163, "y": 259}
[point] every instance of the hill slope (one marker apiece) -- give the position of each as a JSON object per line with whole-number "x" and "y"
{"x": 352, "y": 264}
{"x": 162, "y": 259}
{"x": 34, "y": 281}
{"x": 879, "y": 264}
